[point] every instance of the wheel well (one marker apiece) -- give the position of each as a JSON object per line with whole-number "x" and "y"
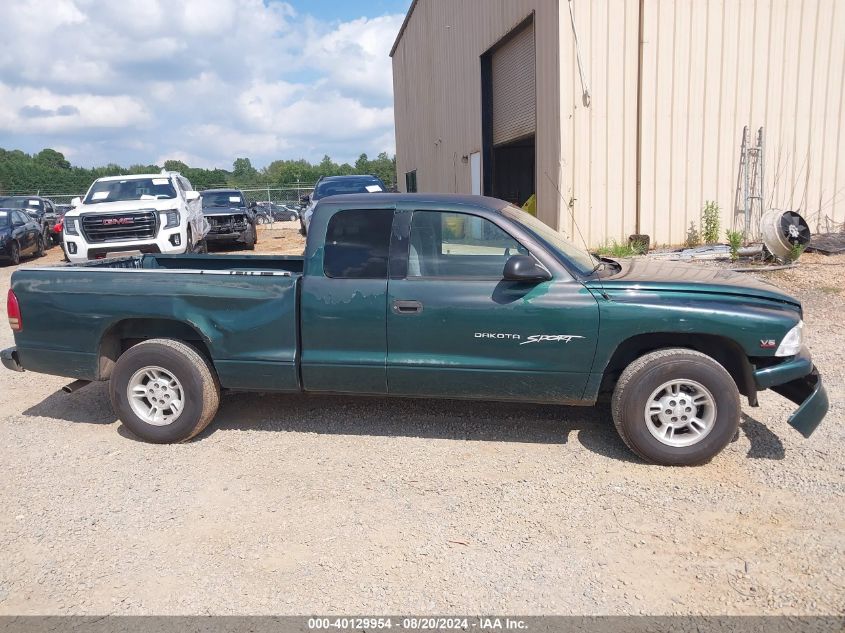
{"x": 124, "y": 334}
{"x": 723, "y": 350}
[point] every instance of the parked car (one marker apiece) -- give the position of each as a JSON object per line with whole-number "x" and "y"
{"x": 432, "y": 296}
{"x": 229, "y": 216}
{"x": 338, "y": 185}
{"x": 38, "y": 208}
{"x": 147, "y": 213}
{"x": 20, "y": 235}
{"x": 277, "y": 212}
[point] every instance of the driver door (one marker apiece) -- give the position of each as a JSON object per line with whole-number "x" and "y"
{"x": 25, "y": 230}
{"x": 456, "y": 328}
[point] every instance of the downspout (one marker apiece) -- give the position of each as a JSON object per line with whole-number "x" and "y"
{"x": 639, "y": 149}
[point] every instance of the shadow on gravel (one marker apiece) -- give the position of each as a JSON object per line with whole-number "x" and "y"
{"x": 438, "y": 419}
{"x": 764, "y": 443}
{"x": 89, "y": 405}
{"x": 399, "y": 417}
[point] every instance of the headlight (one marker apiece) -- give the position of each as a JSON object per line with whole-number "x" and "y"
{"x": 792, "y": 342}
{"x": 70, "y": 226}
{"x": 173, "y": 219}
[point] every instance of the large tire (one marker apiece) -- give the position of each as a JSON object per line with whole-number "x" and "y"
{"x": 195, "y": 385}
{"x": 45, "y": 236}
{"x": 39, "y": 247}
{"x": 252, "y": 238}
{"x": 14, "y": 254}
{"x": 693, "y": 402}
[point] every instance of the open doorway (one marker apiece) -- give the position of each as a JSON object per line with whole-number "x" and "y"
{"x": 513, "y": 171}
{"x": 509, "y": 115}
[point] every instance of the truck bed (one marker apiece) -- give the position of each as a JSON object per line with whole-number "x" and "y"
{"x": 240, "y": 310}
{"x": 230, "y": 263}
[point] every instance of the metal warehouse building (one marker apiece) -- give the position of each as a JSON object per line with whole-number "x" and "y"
{"x": 490, "y": 98}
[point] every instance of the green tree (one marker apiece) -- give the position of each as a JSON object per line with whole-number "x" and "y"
{"x": 51, "y": 158}
{"x": 243, "y": 171}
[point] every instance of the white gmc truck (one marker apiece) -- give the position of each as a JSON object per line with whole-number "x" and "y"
{"x": 146, "y": 213}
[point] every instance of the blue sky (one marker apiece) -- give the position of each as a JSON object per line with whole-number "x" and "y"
{"x": 203, "y": 81}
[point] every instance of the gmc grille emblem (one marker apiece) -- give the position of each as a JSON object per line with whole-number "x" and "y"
{"x": 112, "y": 221}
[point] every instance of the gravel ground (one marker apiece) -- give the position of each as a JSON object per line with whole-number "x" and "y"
{"x": 297, "y": 505}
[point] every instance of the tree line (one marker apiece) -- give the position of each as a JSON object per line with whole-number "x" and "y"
{"x": 48, "y": 172}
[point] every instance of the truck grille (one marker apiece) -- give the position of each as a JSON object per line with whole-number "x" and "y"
{"x": 226, "y": 223}
{"x": 113, "y": 227}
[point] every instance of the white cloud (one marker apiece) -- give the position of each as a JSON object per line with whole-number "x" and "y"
{"x": 353, "y": 55}
{"x": 209, "y": 80}
{"x": 41, "y": 111}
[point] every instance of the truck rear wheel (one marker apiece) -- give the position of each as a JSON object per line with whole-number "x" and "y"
{"x": 164, "y": 391}
{"x": 676, "y": 407}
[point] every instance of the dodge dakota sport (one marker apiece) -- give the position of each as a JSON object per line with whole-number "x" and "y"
{"x": 425, "y": 296}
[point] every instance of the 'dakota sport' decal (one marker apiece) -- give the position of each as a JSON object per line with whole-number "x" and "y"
{"x": 532, "y": 338}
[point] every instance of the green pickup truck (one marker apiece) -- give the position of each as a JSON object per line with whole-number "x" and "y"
{"x": 427, "y": 296}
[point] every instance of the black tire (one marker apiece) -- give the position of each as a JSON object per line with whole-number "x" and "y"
{"x": 45, "y": 236}
{"x": 39, "y": 247}
{"x": 645, "y": 375}
{"x": 251, "y": 238}
{"x": 196, "y": 376}
{"x": 14, "y": 254}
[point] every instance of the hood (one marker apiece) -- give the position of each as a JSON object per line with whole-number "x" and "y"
{"x": 666, "y": 276}
{"x": 121, "y": 206}
{"x": 223, "y": 210}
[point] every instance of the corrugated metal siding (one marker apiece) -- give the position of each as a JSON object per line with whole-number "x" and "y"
{"x": 437, "y": 90}
{"x": 599, "y": 143}
{"x": 514, "y": 93}
{"x": 710, "y": 67}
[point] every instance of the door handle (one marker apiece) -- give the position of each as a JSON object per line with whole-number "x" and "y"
{"x": 407, "y": 307}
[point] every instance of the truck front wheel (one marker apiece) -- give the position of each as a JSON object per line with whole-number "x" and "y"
{"x": 676, "y": 407}
{"x": 164, "y": 391}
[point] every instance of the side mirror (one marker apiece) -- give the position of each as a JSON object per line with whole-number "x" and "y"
{"x": 190, "y": 196}
{"x": 253, "y": 205}
{"x": 77, "y": 201}
{"x": 524, "y": 268}
{"x": 305, "y": 199}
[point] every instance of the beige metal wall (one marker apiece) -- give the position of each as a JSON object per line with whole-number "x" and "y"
{"x": 709, "y": 68}
{"x": 437, "y": 90}
{"x": 598, "y": 162}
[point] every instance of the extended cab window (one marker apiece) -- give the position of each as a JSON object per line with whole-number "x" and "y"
{"x": 357, "y": 244}
{"x": 458, "y": 245}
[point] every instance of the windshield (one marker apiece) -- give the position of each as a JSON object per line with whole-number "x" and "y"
{"x": 130, "y": 189}
{"x": 33, "y": 205}
{"x": 581, "y": 259}
{"x": 222, "y": 199}
{"x": 363, "y": 184}
{"x": 4, "y": 219}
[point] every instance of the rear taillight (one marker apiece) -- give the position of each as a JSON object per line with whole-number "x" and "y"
{"x": 14, "y": 312}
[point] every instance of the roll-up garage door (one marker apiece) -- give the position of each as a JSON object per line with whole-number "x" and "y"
{"x": 514, "y": 94}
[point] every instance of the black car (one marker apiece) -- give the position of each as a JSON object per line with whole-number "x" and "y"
{"x": 229, "y": 216}
{"x": 39, "y": 209}
{"x": 337, "y": 185}
{"x": 19, "y": 235}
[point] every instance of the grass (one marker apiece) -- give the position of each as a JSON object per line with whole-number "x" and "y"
{"x": 615, "y": 249}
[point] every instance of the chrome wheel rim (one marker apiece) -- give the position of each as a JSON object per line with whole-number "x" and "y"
{"x": 156, "y": 396}
{"x": 680, "y": 413}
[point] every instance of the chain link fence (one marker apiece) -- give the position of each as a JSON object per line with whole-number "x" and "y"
{"x": 289, "y": 195}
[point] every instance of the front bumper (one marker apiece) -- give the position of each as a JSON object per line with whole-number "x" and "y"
{"x": 9, "y": 357}
{"x": 809, "y": 393}
{"x": 798, "y": 380}
{"x": 238, "y": 236}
